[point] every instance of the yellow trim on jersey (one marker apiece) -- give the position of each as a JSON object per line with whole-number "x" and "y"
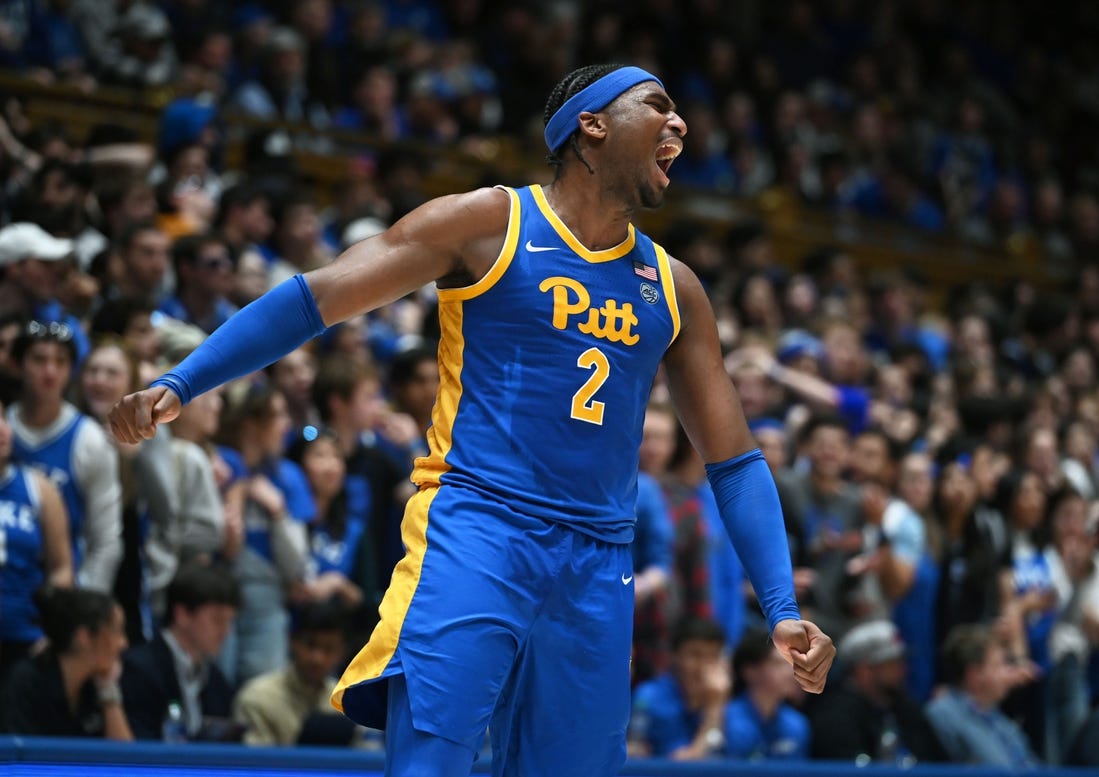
{"x": 606, "y": 255}
{"x": 428, "y": 469}
{"x": 375, "y": 656}
{"x": 503, "y": 261}
{"x": 666, "y": 280}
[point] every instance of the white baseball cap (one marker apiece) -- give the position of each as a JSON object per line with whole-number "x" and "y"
{"x": 872, "y": 642}
{"x": 25, "y": 240}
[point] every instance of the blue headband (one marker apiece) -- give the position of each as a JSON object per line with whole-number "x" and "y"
{"x": 593, "y": 97}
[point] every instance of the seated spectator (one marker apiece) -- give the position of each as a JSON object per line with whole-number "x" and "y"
{"x": 373, "y": 105}
{"x": 277, "y": 510}
{"x": 204, "y": 281}
{"x": 690, "y": 498}
{"x": 967, "y": 715}
{"x": 683, "y": 592}
{"x": 1085, "y": 749}
{"x": 293, "y": 375}
{"x": 1029, "y": 609}
{"x": 868, "y": 715}
{"x": 34, "y": 535}
{"x": 139, "y": 263}
{"x": 71, "y": 448}
{"x": 974, "y": 542}
{"x": 759, "y": 722}
{"x": 149, "y": 501}
{"x": 1071, "y": 557}
{"x": 53, "y": 44}
{"x": 210, "y": 522}
{"x": 338, "y": 533}
{"x": 244, "y": 218}
{"x": 35, "y": 264}
{"x": 130, "y": 320}
{"x": 70, "y": 689}
{"x": 291, "y": 705}
{"x": 11, "y": 324}
{"x": 823, "y": 515}
{"x": 57, "y": 200}
{"x": 413, "y": 384}
{"x": 177, "y": 666}
{"x": 123, "y": 200}
{"x": 681, "y": 713}
{"x": 280, "y": 91}
{"x": 653, "y": 547}
{"x": 298, "y": 238}
{"x": 348, "y": 396}
{"x": 140, "y": 51}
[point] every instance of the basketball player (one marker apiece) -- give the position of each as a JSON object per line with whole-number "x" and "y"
{"x": 512, "y": 608}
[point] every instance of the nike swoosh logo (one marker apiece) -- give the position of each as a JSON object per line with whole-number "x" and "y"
{"x": 537, "y": 249}
{"x": 626, "y": 580}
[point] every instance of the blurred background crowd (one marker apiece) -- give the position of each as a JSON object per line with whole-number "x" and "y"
{"x": 935, "y": 446}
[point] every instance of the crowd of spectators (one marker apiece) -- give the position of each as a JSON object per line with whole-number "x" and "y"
{"x": 936, "y": 456}
{"x": 971, "y": 119}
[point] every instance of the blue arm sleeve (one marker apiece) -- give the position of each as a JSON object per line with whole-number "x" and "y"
{"x": 260, "y": 333}
{"x": 750, "y": 510}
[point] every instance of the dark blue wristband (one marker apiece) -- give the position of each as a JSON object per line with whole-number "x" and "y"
{"x": 752, "y": 514}
{"x": 259, "y": 334}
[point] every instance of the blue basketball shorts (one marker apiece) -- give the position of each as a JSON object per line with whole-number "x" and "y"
{"x": 504, "y": 622}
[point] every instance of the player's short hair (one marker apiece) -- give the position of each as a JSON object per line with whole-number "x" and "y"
{"x": 574, "y": 82}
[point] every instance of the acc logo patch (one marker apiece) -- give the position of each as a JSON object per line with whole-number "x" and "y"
{"x": 649, "y": 293}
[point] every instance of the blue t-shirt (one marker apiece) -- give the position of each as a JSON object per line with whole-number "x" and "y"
{"x": 331, "y": 554}
{"x": 1031, "y": 572}
{"x": 653, "y": 535}
{"x": 173, "y": 307}
{"x": 288, "y": 478}
{"x": 785, "y": 736}
{"x": 660, "y": 716}
{"x": 726, "y": 571}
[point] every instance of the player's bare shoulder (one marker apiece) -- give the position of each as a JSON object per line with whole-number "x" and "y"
{"x": 478, "y": 223}
{"x": 689, "y": 291}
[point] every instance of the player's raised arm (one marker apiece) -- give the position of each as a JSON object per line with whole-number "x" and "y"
{"x": 711, "y": 414}
{"x": 457, "y": 236}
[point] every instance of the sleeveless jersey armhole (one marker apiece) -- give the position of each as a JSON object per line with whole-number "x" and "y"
{"x": 503, "y": 260}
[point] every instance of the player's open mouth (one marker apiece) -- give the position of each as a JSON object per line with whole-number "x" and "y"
{"x": 666, "y": 154}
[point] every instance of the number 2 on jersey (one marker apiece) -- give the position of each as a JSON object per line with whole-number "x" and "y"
{"x": 584, "y": 407}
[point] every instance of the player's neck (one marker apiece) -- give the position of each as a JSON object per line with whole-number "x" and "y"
{"x": 598, "y": 220}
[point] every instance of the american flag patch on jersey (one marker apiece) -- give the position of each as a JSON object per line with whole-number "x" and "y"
{"x": 644, "y": 270}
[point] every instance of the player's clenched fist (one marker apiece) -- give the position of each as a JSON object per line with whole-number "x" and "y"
{"x": 136, "y": 415}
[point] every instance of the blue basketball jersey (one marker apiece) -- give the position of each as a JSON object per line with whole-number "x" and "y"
{"x": 54, "y": 459}
{"x": 21, "y": 571}
{"x": 546, "y": 365}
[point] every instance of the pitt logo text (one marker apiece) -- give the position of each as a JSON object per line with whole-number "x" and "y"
{"x": 609, "y": 322}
